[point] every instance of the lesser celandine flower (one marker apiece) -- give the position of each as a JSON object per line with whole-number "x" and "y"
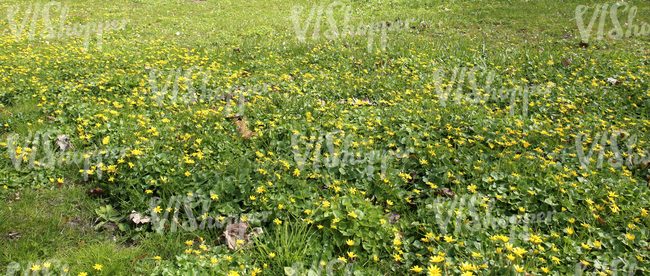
{"x": 433, "y": 270}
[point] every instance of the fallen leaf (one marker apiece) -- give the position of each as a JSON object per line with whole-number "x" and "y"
{"x": 243, "y": 130}
{"x": 12, "y": 235}
{"x": 613, "y": 81}
{"x": 566, "y": 61}
{"x": 392, "y": 218}
{"x": 136, "y": 259}
{"x": 95, "y": 191}
{"x": 50, "y": 118}
{"x": 137, "y": 218}
{"x": 445, "y": 192}
{"x": 63, "y": 141}
{"x": 234, "y": 232}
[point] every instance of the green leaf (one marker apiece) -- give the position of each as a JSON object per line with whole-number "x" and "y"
{"x": 359, "y": 214}
{"x": 289, "y": 271}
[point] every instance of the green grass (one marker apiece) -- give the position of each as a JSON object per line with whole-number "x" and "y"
{"x": 522, "y": 164}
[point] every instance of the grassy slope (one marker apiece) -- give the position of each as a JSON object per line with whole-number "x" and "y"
{"x": 518, "y": 38}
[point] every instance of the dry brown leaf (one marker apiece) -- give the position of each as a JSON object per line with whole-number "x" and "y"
{"x": 50, "y": 118}
{"x": 234, "y": 232}
{"x": 12, "y": 235}
{"x": 613, "y": 81}
{"x": 392, "y": 218}
{"x": 138, "y": 219}
{"x": 136, "y": 259}
{"x": 95, "y": 191}
{"x": 243, "y": 130}
{"x": 63, "y": 141}
{"x": 445, "y": 192}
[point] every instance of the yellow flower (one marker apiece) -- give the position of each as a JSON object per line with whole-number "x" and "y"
{"x": 630, "y": 236}
{"x": 436, "y": 259}
{"x": 472, "y": 188}
{"x": 351, "y": 255}
{"x": 157, "y": 258}
{"x": 213, "y": 196}
{"x": 569, "y": 230}
{"x": 556, "y": 260}
{"x": 280, "y": 206}
{"x": 545, "y": 269}
{"x": 350, "y": 242}
{"x": 83, "y": 274}
{"x": 416, "y": 269}
{"x": 97, "y": 267}
{"x": 449, "y": 239}
{"x": 158, "y": 209}
{"x": 296, "y": 172}
{"x": 35, "y": 267}
{"x": 277, "y": 221}
{"x": 597, "y": 243}
{"x": 389, "y": 202}
{"x": 433, "y": 270}
{"x": 149, "y": 191}
{"x": 476, "y": 255}
{"x": 519, "y": 251}
{"x": 271, "y": 255}
{"x": 189, "y": 242}
{"x": 352, "y": 214}
{"x": 519, "y": 268}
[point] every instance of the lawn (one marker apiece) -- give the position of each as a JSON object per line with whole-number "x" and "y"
{"x": 405, "y": 137}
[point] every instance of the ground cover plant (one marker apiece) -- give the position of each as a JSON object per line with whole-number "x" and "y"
{"x": 172, "y": 137}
